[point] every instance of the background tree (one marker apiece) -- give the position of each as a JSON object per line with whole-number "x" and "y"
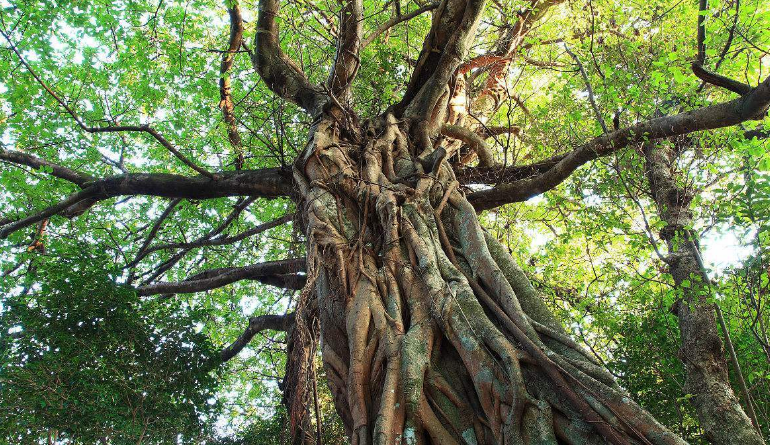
{"x": 389, "y": 128}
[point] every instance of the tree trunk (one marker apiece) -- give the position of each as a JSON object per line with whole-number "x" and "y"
{"x": 719, "y": 411}
{"x": 430, "y": 332}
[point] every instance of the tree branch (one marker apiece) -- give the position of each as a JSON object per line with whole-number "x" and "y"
{"x": 263, "y": 183}
{"x": 237, "y": 210}
{"x": 73, "y": 199}
{"x": 395, "y": 20}
{"x": 759, "y": 134}
{"x": 225, "y": 91}
{"x": 169, "y": 263}
{"x": 720, "y": 80}
{"x": 497, "y": 61}
{"x": 473, "y": 140}
{"x": 281, "y": 74}
{"x": 590, "y": 90}
{"x": 293, "y": 281}
{"x": 59, "y": 171}
{"x": 498, "y": 175}
{"x": 266, "y": 183}
{"x": 491, "y": 131}
{"x": 257, "y": 325}
{"x": 225, "y": 276}
{"x": 700, "y": 60}
{"x": 347, "y": 61}
{"x": 154, "y": 230}
{"x": 284, "y": 281}
{"x": 752, "y": 106}
{"x": 447, "y": 21}
{"x": 452, "y": 54}
{"x": 225, "y": 240}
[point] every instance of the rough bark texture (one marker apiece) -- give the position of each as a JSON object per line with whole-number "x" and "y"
{"x": 430, "y": 333}
{"x": 719, "y": 411}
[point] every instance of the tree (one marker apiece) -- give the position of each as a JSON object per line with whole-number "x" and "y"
{"x": 429, "y": 330}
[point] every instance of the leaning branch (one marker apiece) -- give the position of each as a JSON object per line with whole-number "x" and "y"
{"x": 154, "y": 230}
{"x": 145, "y": 128}
{"x": 225, "y": 276}
{"x": 476, "y": 142}
{"x": 492, "y": 131}
{"x": 752, "y": 106}
{"x": 589, "y": 89}
{"x": 257, "y": 325}
{"x": 238, "y": 208}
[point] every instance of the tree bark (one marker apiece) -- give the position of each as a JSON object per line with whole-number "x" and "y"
{"x": 720, "y": 414}
{"x": 430, "y": 333}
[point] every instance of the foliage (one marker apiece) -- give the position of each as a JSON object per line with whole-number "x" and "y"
{"x": 86, "y": 360}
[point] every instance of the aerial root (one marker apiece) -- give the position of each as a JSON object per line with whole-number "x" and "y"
{"x": 445, "y": 340}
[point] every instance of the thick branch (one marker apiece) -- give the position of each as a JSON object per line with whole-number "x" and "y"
{"x": 225, "y": 91}
{"x": 257, "y": 325}
{"x": 752, "y": 106}
{"x": 720, "y": 80}
{"x": 488, "y": 132}
{"x": 225, "y": 276}
{"x": 700, "y": 60}
{"x": 347, "y": 59}
{"x": 498, "y": 175}
{"x": 265, "y": 183}
{"x": 281, "y": 74}
{"x": 20, "y": 158}
{"x": 447, "y": 26}
{"x": 452, "y": 54}
{"x": 293, "y": 281}
{"x": 284, "y": 281}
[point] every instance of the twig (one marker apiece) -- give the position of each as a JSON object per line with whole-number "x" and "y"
{"x": 395, "y": 21}
{"x": 591, "y": 98}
